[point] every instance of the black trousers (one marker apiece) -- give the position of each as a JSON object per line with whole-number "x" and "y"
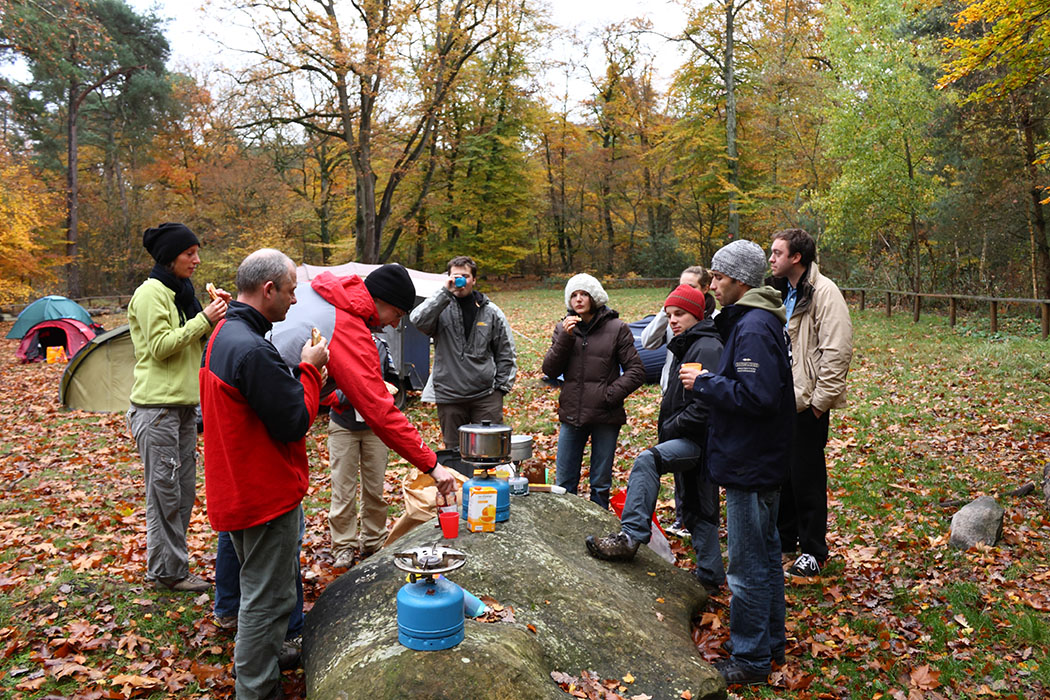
{"x": 803, "y": 517}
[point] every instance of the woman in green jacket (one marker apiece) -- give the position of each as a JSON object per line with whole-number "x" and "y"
{"x": 168, "y": 327}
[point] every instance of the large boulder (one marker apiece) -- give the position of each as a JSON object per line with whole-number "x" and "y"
{"x": 571, "y": 613}
{"x": 980, "y": 520}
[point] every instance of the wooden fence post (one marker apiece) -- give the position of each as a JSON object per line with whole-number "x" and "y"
{"x": 889, "y": 310}
{"x": 862, "y": 302}
{"x": 916, "y": 305}
{"x": 995, "y": 316}
{"x": 1046, "y": 320}
{"x": 951, "y": 312}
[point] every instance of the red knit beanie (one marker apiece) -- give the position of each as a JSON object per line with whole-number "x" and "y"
{"x": 688, "y": 298}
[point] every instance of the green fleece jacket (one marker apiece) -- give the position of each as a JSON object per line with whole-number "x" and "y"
{"x": 167, "y": 355}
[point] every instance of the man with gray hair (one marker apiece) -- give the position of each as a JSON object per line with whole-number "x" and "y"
{"x": 257, "y": 412}
{"x": 752, "y": 399}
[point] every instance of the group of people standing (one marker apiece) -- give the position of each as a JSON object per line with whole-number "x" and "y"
{"x": 745, "y": 408}
{"x": 259, "y": 378}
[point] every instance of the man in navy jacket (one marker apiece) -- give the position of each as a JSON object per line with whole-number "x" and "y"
{"x": 752, "y": 401}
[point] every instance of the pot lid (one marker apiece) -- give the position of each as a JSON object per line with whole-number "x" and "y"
{"x": 520, "y": 439}
{"x": 485, "y": 428}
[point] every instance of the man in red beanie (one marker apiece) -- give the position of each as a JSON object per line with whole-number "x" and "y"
{"x": 682, "y": 434}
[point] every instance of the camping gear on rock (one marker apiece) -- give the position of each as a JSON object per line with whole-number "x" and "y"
{"x": 50, "y": 308}
{"x": 100, "y": 376}
{"x": 484, "y": 478}
{"x": 68, "y": 333}
{"x": 521, "y": 452}
{"x": 420, "y": 494}
{"x": 485, "y": 442}
{"x": 519, "y": 485}
{"x": 430, "y": 608}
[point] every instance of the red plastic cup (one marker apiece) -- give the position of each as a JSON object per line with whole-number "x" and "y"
{"x": 449, "y": 524}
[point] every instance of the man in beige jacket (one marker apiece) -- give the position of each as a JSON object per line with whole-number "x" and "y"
{"x": 821, "y": 348}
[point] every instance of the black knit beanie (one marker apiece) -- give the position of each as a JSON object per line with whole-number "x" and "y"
{"x": 392, "y": 284}
{"x": 167, "y": 241}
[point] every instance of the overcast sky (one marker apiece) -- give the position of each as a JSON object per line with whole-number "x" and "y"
{"x": 189, "y": 27}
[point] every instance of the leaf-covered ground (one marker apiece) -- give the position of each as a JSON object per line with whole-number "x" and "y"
{"x": 936, "y": 418}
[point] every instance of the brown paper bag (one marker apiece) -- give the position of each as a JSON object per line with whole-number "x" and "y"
{"x": 420, "y": 501}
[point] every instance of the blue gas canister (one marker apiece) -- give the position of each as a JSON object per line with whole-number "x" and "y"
{"x": 430, "y": 608}
{"x": 485, "y": 477}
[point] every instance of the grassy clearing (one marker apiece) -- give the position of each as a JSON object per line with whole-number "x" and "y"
{"x": 935, "y": 416}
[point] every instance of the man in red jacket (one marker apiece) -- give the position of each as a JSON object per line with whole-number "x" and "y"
{"x": 257, "y": 412}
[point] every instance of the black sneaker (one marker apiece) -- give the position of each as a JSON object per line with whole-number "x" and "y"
{"x": 806, "y": 566}
{"x": 736, "y": 673}
{"x": 615, "y": 547}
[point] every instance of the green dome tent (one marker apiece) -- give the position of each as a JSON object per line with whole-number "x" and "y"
{"x": 99, "y": 377}
{"x": 49, "y": 308}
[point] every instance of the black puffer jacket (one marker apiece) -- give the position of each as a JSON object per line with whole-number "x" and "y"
{"x": 682, "y": 413}
{"x": 590, "y": 359}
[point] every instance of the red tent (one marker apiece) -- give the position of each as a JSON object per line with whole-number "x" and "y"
{"x": 70, "y": 333}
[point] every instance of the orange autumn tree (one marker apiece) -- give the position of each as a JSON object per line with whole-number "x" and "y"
{"x": 29, "y": 218}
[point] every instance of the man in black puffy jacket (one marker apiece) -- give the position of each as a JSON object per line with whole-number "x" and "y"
{"x": 682, "y": 431}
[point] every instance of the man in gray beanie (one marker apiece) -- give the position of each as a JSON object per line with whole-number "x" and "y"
{"x": 750, "y": 395}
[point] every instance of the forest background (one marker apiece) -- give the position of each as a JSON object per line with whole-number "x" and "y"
{"x": 909, "y": 136}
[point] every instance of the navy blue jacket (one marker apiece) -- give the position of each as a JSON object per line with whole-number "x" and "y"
{"x": 751, "y": 396}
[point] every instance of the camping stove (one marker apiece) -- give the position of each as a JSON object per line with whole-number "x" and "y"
{"x": 429, "y": 606}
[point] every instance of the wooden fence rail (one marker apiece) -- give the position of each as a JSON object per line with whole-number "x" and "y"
{"x": 953, "y": 300}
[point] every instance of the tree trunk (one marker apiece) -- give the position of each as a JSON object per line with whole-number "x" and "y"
{"x": 1037, "y": 194}
{"x": 733, "y": 229}
{"x": 73, "y": 288}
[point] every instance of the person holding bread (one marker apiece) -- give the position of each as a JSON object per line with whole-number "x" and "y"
{"x": 594, "y": 351}
{"x": 168, "y": 326}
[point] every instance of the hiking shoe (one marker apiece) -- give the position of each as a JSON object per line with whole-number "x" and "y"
{"x": 677, "y": 529}
{"x": 225, "y": 622}
{"x": 805, "y": 566}
{"x": 291, "y": 652}
{"x": 191, "y": 584}
{"x": 615, "y": 547}
{"x": 736, "y": 673}
{"x": 344, "y": 559}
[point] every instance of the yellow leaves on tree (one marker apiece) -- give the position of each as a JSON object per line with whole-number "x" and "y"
{"x": 28, "y": 213}
{"x": 1012, "y": 52}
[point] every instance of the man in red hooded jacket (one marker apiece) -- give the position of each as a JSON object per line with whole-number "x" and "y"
{"x": 344, "y": 309}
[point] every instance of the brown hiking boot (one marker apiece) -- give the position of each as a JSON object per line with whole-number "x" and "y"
{"x": 191, "y": 584}
{"x": 615, "y": 547}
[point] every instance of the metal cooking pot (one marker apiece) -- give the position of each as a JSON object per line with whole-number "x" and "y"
{"x": 520, "y": 448}
{"x": 485, "y": 441}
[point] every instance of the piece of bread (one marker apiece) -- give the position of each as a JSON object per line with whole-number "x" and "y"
{"x": 315, "y": 336}
{"x": 211, "y": 291}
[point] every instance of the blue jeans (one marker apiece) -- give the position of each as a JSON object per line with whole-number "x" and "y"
{"x": 700, "y": 502}
{"x": 228, "y": 583}
{"x": 571, "y": 441}
{"x": 756, "y": 612}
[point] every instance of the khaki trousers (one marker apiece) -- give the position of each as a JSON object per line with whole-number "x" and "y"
{"x": 354, "y": 453}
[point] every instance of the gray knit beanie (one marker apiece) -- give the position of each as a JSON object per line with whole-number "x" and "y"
{"x": 742, "y": 260}
{"x": 585, "y": 283}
